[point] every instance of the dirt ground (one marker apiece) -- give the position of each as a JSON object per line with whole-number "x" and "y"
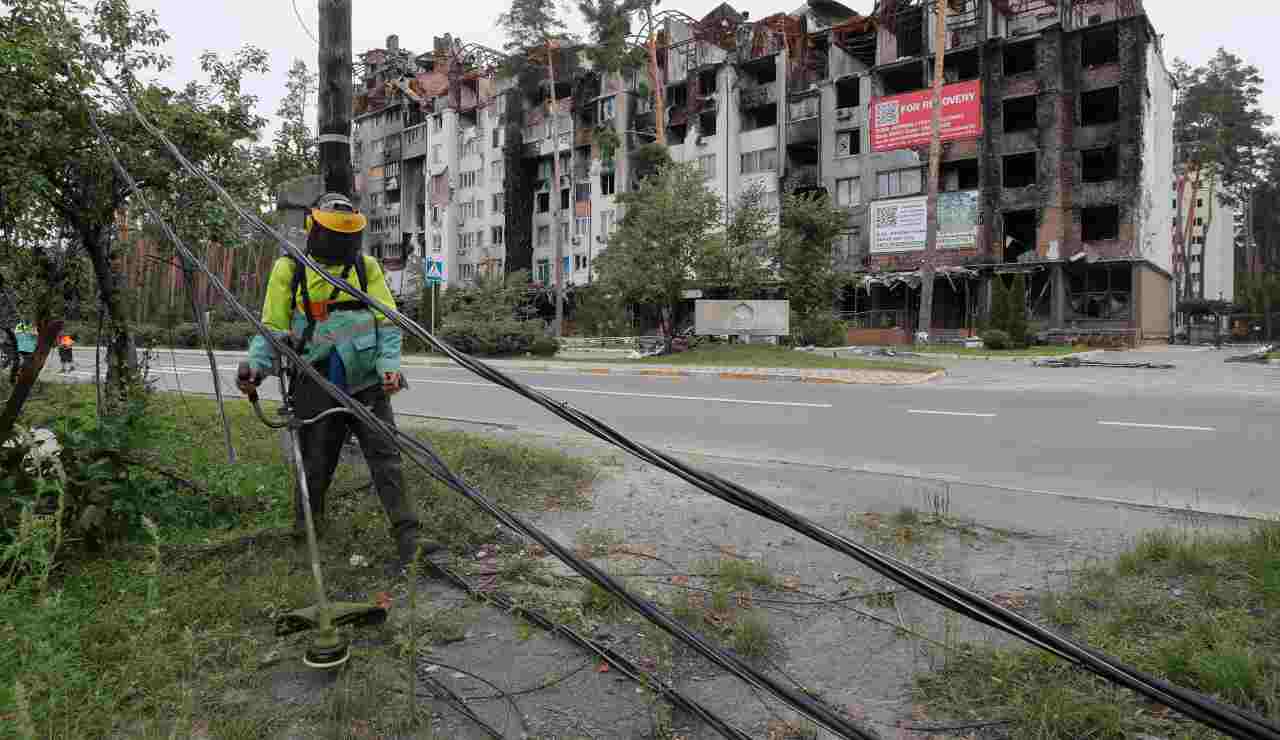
{"x": 804, "y": 614}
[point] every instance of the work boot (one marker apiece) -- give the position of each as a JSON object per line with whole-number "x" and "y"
{"x": 408, "y": 544}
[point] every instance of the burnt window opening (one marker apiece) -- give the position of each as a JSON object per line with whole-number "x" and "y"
{"x": 909, "y": 27}
{"x": 707, "y": 82}
{"x": 848, "y": 92}
{"x": 677, "y": 96}
{"x": 760, "y": 118}
{"x": 1100, "y": 106}
{"x": 960, "y": 175}
{"x": 544, "y": 202}
{"x": 1099, "y": 46}
{"x": 1099, "y": 165}
{"x": 903, "y": 79}
{"x": 761, "y": 71}
{"x": 707, "y": 124}
{"x": 1099, "y": 291}
{"x": 962, "y": 66}
{"x": 1020, "y": 113}
{"x": 1019, "y": 59}
{"x": 1100, "y": 223}
{"x": 1019, "y": 233}
{"x": 1020, "y": 170}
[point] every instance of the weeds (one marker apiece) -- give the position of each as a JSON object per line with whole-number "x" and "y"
{"x": 1193, "y": 608}
{"x": 166, "y": 635}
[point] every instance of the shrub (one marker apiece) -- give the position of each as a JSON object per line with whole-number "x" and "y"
{"x": 503, "y": 337}
{"x": 995, "y": 339}
{"x": 822, "y": 330}
{"x": 545, "y": 346}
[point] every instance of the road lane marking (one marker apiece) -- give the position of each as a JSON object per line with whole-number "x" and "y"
{"x": 931, "y": 412}
{"x": 1175, "y": 427}
{"x": 553, "y": 389}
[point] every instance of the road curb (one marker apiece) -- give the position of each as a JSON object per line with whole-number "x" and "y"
{"x": 862, "y": 376}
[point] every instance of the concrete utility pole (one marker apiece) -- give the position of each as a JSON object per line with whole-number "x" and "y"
{"x": 935, "y": 168}
{"x": 558, "y": 328}
{"x": 659, "y": 93}
{"x": 334, "y": 101}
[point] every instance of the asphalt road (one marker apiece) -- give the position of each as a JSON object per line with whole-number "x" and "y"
{"x": 1201, "y": 436}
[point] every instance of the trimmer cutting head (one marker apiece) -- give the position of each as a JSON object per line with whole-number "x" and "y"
{"x": 326, "y": 655}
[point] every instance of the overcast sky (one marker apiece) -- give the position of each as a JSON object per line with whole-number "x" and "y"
{"x": 1191, "y": 31}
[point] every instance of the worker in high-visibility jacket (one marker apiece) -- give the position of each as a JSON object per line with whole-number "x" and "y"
{"x": 355, "y": 347}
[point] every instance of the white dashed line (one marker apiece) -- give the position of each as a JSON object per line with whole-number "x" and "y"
{"x": 1175, "y": 427}
{"x": 931, "y": 412}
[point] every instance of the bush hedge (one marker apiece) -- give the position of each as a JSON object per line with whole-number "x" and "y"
{"x": 504, "y": 337}
{"x": 821, "y": 331}
{"x": 226, "y": 335}
{"x": 995, "y": 339}
{"x": 509, "y": 337}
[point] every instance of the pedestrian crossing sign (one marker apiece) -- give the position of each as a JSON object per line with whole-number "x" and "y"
{"x": 435, "y": 271}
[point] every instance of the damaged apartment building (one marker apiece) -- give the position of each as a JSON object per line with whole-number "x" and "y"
{"x": 455, "y": 163}
{"x": 1057, "y": 161}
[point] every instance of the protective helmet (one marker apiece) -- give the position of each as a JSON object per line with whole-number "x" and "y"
{"x": 334, "y": 229}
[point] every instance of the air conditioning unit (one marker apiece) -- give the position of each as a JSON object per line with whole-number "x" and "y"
{"x": 844, "y": 113}
{"x": 564, "y": 181}
{"x": 576, "y": 240}
{"x": 700, "y": 141}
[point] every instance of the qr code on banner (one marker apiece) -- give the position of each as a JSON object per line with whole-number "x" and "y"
{"x": 887, "y": 216}
{"x": 888, "y": 113}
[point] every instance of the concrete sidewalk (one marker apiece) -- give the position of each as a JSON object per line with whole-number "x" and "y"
{"x": 860, "y": 376}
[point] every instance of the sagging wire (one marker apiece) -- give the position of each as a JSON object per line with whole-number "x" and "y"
{"x": 1206, "y": 710}
{"x": 436, "y": 467}
{"x": 798, "y": 701}
{"x": 442, "y": 692}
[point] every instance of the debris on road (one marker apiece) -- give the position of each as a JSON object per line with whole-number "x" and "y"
{"x": 1077, "y": 362}
{"x": 1259, "y": 355}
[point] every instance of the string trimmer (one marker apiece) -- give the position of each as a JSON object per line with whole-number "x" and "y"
{"x": 329, "y": 649}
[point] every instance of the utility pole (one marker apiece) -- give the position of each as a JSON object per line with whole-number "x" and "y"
{"x": 334, "y": 101}
{"x": 555, "y": 194}
{"x": 935, "y": 167}
{"x": 659, "y": 93}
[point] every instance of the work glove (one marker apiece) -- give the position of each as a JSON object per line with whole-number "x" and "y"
{"x": 392, "y": 383}
{"x": 248, "y": 379}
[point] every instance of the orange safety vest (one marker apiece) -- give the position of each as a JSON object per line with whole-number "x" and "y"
{"x": 66, "y": 341}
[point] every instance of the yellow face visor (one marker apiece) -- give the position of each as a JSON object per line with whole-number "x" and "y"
{"x": 341, "y": 222}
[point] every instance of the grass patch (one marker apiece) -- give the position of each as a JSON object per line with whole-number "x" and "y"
{"x": 1047, "y": 350}
{"x": 598, "y": 540}
{"x": 766, "y": 356}
{"x": 1194, "y": 609}
{"x": 131, "y": 644}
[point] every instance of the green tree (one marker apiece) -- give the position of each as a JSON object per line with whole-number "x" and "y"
{"x": 609, "y": 24}
{"x": 999, "y": 317}
{"x": 50, "y": 151}
{"x": 293, "y": 151}
{"x": 1220, "y": 135}
{"x": 529, "y": 24}
{"x": 1016, "y": 313}
{"x": 736, "y": 258}
{"x": 804, "y": 256}
{"x": 667, "y": 224}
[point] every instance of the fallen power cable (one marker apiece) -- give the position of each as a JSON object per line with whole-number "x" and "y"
{"x": 436, "y": 467}
{"x": 1225, "y": 718}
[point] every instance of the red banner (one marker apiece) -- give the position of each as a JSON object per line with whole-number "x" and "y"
{"x": 902, "y": 121}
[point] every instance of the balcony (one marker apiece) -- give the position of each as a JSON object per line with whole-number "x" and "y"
{"x": 757, "y": 96}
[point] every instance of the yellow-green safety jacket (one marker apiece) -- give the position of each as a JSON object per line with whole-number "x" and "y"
{"x": 368, "y": 343}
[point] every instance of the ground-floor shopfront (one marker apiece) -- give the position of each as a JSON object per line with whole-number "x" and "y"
{"x": 1126, "y": 300}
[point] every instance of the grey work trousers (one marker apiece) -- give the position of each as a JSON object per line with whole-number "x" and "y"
{"x": 322, "y": 444}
